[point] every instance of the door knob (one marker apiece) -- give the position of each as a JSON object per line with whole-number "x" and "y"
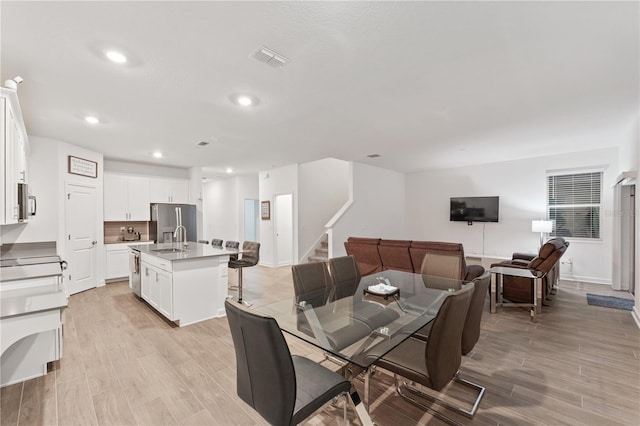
{"x": 93, "y": 243}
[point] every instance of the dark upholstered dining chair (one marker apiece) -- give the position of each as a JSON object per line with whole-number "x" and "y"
{"x": 313, "y": 281}
{"x": 345, "y": 275}
{"x": 250, "y": 257}
{"x": 313, "y": 287}
{"x": 471, "y": 332}
{"x": 435, "y": 362}
{"x": 283, "y": 389}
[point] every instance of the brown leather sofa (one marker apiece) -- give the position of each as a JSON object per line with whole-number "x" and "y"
{"x": 368, "y": 257}
{"x": 547, "y": 261}
{"x": 375, "y": 255}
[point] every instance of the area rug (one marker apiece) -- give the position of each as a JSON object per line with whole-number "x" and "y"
{"x": 609, "y": 302}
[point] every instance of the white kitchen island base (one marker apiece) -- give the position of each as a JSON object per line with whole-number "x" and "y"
{"x": 200, "y": 293}
{"x": 186, "y": 287}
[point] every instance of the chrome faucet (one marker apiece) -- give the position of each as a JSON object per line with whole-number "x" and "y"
{"x": 180, "y": 237}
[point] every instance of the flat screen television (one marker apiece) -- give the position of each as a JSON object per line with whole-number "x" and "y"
{"x": 474, "y": 209}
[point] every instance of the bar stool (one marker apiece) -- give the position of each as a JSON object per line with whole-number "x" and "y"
{"x": 250, "y": 257}
{"x": 231, "y": 245}
{"x": 216, "y": 243}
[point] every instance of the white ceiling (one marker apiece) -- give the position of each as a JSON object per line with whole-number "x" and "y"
{"x": 423, "y": 84}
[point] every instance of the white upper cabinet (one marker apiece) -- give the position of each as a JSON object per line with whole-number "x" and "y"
{"x": 13, "y": 156}
{"x": 166, "y": 190}
{"x": 126, "y": 198}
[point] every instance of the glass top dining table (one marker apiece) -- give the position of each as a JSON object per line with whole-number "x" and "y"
{"x": 371, "y": 318}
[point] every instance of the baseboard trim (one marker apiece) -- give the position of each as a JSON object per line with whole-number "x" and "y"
{"x": 635, "y": 314}
{"x": 589, "y": 280}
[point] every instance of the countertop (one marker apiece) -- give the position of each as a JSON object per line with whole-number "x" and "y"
{"x": 32, "y": 299}
{"x": 192, "y": 251}
{"x": 107, "y": 243}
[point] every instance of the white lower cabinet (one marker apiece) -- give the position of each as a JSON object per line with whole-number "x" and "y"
{"x": 117, "y": 259}
{"x": 185, "y": 291}
{"x": 117, "y": 262}
{"x": 157, "y": 284}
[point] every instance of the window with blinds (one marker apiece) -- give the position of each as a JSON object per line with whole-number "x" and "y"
{"x": 573, "y": 204}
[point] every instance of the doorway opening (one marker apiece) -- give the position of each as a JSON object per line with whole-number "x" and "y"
{"x": 251, "y": 220}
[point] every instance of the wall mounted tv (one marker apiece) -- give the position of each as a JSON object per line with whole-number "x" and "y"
{"x": 474, "y": 209}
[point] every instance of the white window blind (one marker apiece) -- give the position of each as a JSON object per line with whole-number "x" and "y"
{"x": 573, "y": 202}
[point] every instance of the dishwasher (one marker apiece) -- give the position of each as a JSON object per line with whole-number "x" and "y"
{"x": 134, "y": 271}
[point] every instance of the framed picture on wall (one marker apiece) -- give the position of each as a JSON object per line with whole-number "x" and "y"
{"x": 82, "y": 167}
{"x": 265, "y": 210}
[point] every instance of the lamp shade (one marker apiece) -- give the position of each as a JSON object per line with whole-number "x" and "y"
{"x": 541, "y": 226}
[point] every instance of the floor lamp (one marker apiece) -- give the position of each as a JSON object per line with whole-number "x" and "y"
{"x": 541, "y": 226}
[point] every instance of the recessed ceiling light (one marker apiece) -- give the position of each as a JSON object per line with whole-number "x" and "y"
{"x": 244, "y": 100}
{"x": 157, "y": 154}
{"x": 91, "y": 119}
{"x": 229, "y": 170}
{"x": 115, "y": 56}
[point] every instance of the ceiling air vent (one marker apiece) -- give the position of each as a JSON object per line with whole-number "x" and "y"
{"x": 202, "y": 143}
{"x": 374, "y": 155}
{"x": 269, "y": 57}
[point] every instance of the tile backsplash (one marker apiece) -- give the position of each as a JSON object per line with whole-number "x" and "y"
{"x": 112, "y": 233}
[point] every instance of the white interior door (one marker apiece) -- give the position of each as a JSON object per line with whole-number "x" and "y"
{"x": 81, "y": 247}
{"x": 283, "y": 213}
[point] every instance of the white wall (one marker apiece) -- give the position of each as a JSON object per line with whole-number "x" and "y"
{"x": 521, "y": 186}
{"x": 145, "y": 169}
{"x": 196, "y": 197}
{"x": 630, "y": 147}
{"x": 630, "y": 160}
{"x": 223, "y": 205}
{"x": 283, "y": 180}
{"x": 378, "y": 208}
{"x": 323, "y": 189}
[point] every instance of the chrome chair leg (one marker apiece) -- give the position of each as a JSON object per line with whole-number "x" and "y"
{"x": 467, "y": 413}
{"x": 344, "y": 408}
{"x": 439, "y": 415}
{"x": 244, "y": 302}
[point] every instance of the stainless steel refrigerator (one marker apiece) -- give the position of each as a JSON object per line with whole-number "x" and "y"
{"x": 164, "y": 220}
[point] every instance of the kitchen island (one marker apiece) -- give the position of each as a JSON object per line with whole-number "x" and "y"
{"x": 186, "y": 284}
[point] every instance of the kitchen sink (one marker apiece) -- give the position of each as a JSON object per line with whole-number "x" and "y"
{"x": 169, "y": 250}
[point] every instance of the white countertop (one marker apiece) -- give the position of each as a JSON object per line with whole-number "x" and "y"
{"x": 191, "y": 251}
{"x": 32, "y": 299}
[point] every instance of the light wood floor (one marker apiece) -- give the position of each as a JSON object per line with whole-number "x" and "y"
{"x": 124, "y": 365}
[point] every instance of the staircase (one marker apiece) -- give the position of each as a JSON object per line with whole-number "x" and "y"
{"x": 321, "y": 253}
